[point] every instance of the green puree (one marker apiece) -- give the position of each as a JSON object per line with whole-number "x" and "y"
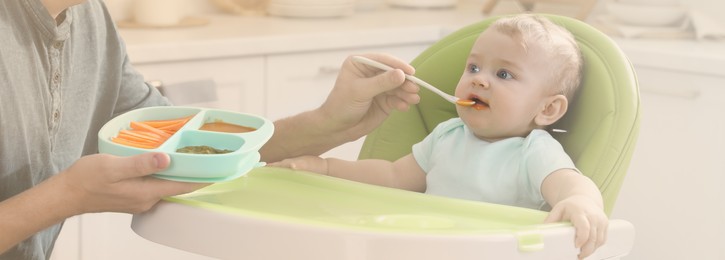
{"x": 202, "y": 149}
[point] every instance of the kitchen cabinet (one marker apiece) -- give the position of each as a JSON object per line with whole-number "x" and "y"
{"x": 67, "y": 245}
{"x": 673, "y": 192}
{"x": 239, "y": 81}
{"x": 301, "y": 81}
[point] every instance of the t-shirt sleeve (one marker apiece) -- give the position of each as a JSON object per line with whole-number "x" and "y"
{"x": 544, "y": 156}
{"x": 423, "y": 151}
{"x": 135, "y": 92}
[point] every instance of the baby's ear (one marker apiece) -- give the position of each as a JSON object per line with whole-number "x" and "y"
{"x": 554, "y": 108}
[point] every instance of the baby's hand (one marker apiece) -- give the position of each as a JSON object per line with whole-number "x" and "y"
{"x": 304, "y": 163}
{"x": 588, "y": 219}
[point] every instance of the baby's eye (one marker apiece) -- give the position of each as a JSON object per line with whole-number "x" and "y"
{"x": 504, "y": 74}
{"x": 473, "y": 68}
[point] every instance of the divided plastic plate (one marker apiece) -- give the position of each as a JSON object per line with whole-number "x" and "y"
{"x": 190, "y": 167}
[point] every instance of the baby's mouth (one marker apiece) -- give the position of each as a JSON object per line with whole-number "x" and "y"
{"x": 479, "y": 104}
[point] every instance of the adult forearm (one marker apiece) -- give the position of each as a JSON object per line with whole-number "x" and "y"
{"x": 32, "y": 211}
{"x": 308, "y": 133}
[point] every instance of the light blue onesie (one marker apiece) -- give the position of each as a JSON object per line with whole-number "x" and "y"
{"x": 509, "y": 171}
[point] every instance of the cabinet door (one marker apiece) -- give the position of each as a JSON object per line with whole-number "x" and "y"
{"x": 673, "y": 192}
{"x": 300, "y": 82}
{"x": 239, "y": 81}
{"x": 67, "y": 246}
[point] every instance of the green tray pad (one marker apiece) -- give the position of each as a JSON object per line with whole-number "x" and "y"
{"x": 278, "y": 194}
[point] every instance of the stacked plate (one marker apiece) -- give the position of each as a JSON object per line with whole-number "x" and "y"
{"x": 656, "y": 13}
{"x": 423, "y": 3}
{"x": 647, "y": 19}
{"x": 311, "y": 8}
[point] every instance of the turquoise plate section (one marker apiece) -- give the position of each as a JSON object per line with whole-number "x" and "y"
{"x": 247, "y": 165}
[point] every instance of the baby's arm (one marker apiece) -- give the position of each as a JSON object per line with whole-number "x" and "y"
{"x": 575, "y": 198}
{"x": 405, "y": 173}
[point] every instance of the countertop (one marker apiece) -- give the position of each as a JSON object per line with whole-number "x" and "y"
{"x": 228, "y": 35}
{"x": 236, "y": 36}
{"x": 698, "y": 57}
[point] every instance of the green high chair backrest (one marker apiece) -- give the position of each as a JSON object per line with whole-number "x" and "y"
{"x": 602, "y": 122}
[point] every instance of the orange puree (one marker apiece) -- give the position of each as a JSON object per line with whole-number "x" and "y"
{"x": 226, "y": 127}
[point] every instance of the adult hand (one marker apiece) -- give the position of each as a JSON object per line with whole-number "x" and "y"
{"x": 364, "y": 96}
{"x": 94, "y": 183}
{"x": 102, "y": 182}
{"x": 361, "y": 99}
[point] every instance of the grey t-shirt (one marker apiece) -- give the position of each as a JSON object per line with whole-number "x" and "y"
{"x": 59, "y": 83}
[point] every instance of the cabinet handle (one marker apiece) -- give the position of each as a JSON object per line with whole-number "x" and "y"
{"x": 690, "y": 94}
{"x": 323, "y": 72}
{"x": 327, "y": 70}
{"x": 159, "y": 85}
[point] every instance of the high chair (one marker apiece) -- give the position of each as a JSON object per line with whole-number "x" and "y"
{"x": 275, "y": 213}
{"x": 601, "y": 124}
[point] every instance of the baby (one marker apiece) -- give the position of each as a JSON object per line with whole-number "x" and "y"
{"x": 521, "y": 72}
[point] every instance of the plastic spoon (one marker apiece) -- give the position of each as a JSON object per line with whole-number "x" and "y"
{"x": 450, "y": 98}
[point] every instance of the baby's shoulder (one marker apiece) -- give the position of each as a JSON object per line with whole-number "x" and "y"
{"x": 448, "y": 126}
{"x": 541, "y": 139}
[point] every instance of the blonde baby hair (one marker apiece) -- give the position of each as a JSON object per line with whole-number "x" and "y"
{"x": 557, "y": 41}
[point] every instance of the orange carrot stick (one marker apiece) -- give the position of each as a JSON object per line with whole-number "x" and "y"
{"x": 142, "y": 126}
{"x": 148, "y": 134}
{"x": 167, "y": 122}
{"x": 151, "y": 133}
{"x": 138, "y": 135}
{"x": 174, "y": 127}
{"x": 132, "y": 143}
{"x": 132, "y": 138}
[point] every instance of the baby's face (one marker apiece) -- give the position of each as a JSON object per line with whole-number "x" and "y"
{"x": 510, "y": 84}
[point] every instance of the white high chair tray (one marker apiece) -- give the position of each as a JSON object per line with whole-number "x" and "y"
{"x": 274, "y": 213}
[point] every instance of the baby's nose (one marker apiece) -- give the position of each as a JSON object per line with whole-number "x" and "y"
{"x": 477, "y": 82}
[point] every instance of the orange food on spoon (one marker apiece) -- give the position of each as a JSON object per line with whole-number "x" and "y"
{"x": 465, "y": 102}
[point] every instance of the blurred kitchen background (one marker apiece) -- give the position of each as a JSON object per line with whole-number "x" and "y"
{"x": 278, "y": 57}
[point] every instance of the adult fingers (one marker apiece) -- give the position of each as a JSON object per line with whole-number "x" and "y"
{"x": 138, "y": 165}
{"x": 164, "y": 188}
{"x": 408, "y": 92}
{"x": 391, "y": 61}
{"x": 401, "y": 102}
{"x": 381, "y": 83}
